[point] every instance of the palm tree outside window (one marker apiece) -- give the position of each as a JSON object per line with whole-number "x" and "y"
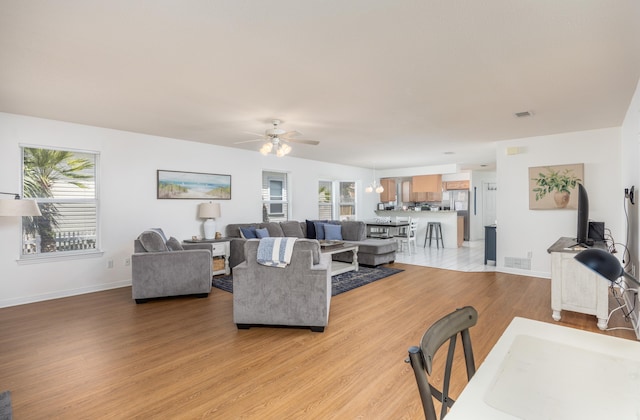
{"x": 64, "y": 184}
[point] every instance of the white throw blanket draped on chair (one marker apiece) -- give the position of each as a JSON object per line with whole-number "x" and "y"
{"x": 276, "y": 251}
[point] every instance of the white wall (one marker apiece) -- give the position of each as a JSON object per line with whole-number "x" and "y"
{"x": 521, "y": 230}
{"x": 631, "y": 174}
{"x": 128, "y": 204}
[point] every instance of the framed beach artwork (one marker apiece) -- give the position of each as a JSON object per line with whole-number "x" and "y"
{"x": 193, "y": 185}
{"x": 554, "y": 187}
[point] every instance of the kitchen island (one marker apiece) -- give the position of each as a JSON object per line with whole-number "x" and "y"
{"x": 447, "y": 218}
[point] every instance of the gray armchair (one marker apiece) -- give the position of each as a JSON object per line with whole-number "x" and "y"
{"x": 298, "y": 295}
{"x": 159, "y": 270}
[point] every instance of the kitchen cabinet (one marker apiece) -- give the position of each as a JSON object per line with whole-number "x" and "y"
{"x": 409, "y": 195}
{"x": 419, "y": 197}
{"x": 455, "y": 185}
{"x": 427, "y": 183}
{"x": 389, "y": 193}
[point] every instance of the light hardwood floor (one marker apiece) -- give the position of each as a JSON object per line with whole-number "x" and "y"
{"x": 100, "y": 355}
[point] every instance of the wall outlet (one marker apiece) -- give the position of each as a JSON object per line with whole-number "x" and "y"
{"x": 127, "y": 262}
{"x": 110, "y": 264}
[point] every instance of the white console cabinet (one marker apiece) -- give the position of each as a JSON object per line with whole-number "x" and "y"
{"x": 574, "y": 287}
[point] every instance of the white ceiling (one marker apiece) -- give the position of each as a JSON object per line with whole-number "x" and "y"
{"x": 390, "y": 83}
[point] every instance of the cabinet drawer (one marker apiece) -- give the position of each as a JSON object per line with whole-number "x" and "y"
{"x": 218, "y": 248}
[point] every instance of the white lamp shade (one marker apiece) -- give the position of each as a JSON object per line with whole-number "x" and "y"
{"x": 12, "y": 207}
{"x": 209, "y": 210}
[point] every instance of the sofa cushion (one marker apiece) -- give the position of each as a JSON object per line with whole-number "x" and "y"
{"x": 262, "y": 233}
{"x": 248, "y": 232}
{"x": 332, "y": 232}
{"x": 161, "y": 232}
{"x": 174, "y": 245}
{"x": 353, "y": 230}
{"x": 376, "y": 246}
{"x": 152, "y": 241}
{"x": 311, "y": 228}
{"x": 273, "y": 228}
{"x": 292, "y": 229}
{"x": 319, "y": 227}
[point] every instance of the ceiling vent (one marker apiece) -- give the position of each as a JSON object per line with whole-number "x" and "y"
{"x": 524, "y": 114}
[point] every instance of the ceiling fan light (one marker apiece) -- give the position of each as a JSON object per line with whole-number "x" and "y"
{"x": 266, "y": 148}
{"x": 280, "y": 152}
{"x": 285, "y": 148}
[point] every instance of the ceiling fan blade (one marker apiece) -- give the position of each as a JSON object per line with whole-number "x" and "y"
{"x": 303, "y": 141}
{"x": 254, "y": 134}
{"x": 249, "y": 141}
{"x": 291, "y": 133}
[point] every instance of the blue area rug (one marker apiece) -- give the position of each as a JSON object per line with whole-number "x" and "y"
{"x": 340, "y": 283}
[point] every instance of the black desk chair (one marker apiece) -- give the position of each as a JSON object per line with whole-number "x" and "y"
{"x": 421, "y": 358}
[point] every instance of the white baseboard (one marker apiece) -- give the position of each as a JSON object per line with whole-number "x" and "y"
{"x": 63, "y": 293}
{"x": 521, "y": 272}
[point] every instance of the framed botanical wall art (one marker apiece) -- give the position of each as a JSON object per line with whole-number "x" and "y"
{"x": 554, "y": 187}
{"x": 193, "y": 185}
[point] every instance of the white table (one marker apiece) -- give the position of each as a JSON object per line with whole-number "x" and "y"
{"x": 339, "y": 267}
{"x": 538, "y": 370}
{"x": 219, "y": 248}
{"x": 574, "y": 287}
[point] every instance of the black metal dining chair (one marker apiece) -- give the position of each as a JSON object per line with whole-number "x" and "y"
{"x": 445, "y": 329}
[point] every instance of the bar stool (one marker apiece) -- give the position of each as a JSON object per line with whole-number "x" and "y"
{"x": 433, "y": 228}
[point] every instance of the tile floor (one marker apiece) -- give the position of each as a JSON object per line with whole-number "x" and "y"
{"x": 469, "y": 257}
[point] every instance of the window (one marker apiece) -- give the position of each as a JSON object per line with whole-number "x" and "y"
{"x": 325, "y": 200}
{"x": 347, "y": 202}
{"x": 64, "y": 184}
{"x": 275, "y": 200}
{"x": 345, "y": 192}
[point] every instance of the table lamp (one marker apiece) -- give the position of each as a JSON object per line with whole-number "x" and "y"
{"x": 18, "y": 207}
{"x": 605, "y": 264}
{"x": 209, "y": 211}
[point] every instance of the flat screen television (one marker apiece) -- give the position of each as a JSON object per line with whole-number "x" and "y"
{"x": 582, "y": 234}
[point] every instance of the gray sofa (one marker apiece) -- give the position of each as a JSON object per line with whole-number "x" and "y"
{"x": 371, "y": 252}
{"x": 162, "y": 268}
{"x": 297, "y": 295}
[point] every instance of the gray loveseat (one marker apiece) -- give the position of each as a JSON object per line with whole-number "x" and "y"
{"x": 163, "y": 268}
{"x": 297, "y": 295}
{"x": 371, "y": 252}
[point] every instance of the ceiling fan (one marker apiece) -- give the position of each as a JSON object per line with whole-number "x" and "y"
{"x": 276, "y": 139}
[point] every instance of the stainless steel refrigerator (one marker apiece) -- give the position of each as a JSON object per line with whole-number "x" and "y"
{"x": 459, "y": 201}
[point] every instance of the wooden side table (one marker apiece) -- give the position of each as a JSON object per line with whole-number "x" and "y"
{"x": 219, "y": 248}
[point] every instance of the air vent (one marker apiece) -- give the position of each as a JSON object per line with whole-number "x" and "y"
{"x": 514, "y": 262}
{"x": 524, "y": 114}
